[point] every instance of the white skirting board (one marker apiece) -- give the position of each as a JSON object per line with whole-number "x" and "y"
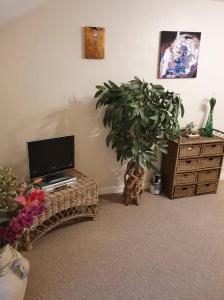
{"x": 111, "y": 189}
{"x": 222, "y": 176}
{"x": 119, "y": 188}
{"x": 115, "y": 189}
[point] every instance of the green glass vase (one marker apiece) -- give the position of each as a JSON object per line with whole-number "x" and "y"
{"x": 208, "y": 130}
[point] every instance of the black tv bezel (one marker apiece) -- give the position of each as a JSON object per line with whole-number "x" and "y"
{"x": 52, "y": 173}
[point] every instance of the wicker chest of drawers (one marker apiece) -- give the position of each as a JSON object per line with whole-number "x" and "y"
{"x": 192, "y": 165}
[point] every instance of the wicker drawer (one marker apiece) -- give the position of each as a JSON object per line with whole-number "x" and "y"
{"x": 184, "y": 191}
{"x": 212, "y": 149}
{"x": 187, "y": 165}
{"x": 210, "y": 162}
{"x": 206, "y": 188}
{"x": 208, "y": 175}
{"x": 186, "y": 178}
{"x": 189, "y": 151}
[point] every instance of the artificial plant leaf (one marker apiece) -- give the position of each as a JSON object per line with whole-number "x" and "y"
{"x": 155, "y": 118}
{"x": 4, "y": 220}
{"x": 100, "y": 87}
{"x": 171, "y": 107}
{"x": 151, "y": 166}
{"x": 163, "y": 150}
{"x": 182, "y": 110}
{"x": 142, "y": 114}
{"x": 137, "y": 129}
{"x": 133, "y": 105}
{"x": 123, "y": 93}
{"x": 137, "y": 79}
{"x": 157, "y": 86}
{"x": 112, "y": 84}
{"x": 163, "y": 144}
{"x": 162, "y": 116}
{"x": 134, "y": 86}
{"x": 139, "y": 97}
{"x": 106, "y": 85}
{"x": 98, "y": 93}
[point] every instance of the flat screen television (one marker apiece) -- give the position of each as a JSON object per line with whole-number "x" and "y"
{"x": 50, "y": 156}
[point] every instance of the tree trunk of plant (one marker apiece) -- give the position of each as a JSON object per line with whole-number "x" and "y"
{"x": 133, "y": 183}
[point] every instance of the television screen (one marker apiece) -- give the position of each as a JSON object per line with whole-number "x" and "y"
{"x": 49, "y": 156}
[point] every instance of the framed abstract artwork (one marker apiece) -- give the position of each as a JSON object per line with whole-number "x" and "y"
{"x": 179, "y": 53}
{"x": 94, "y": 42}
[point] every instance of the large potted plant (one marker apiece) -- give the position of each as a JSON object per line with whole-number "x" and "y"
{"x": 20, "y": 204}
{"x": 141, "y": 117}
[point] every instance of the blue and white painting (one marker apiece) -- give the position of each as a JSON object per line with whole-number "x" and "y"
{"x": 179, "y": 52}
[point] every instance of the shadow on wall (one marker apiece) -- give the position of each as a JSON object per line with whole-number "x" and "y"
{"x": 204, "y": 108}
{"x": 91, "y": 154}
{"x": 78, "y": 117}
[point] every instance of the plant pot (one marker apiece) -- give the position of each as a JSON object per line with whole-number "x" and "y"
{"x": 13, "y": 274}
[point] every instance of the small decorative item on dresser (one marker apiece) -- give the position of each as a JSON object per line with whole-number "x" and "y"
{"x": 208, "y": 130}
{"x": 190, "y": 130}
{"x": 20, "y": 204}
{"x": 192, "y": 166}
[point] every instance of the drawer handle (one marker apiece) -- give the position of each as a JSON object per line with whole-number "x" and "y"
{"x": 207, "y": 184}
{"x": 188, "y": 161}
{"x": 208, "y": 172}
{"x": 210, "y": 158}
{"x": 184, "y": 189}
{"x": 213, "y": 146}
{"x": 189, "y": 148}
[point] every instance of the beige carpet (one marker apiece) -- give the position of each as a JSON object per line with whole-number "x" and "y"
{"x": 162, "y": 250}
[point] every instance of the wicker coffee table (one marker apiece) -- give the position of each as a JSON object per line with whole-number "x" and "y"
{"x": 64, "y": 205}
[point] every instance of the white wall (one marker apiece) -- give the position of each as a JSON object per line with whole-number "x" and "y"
{"x": 46, "y": 86}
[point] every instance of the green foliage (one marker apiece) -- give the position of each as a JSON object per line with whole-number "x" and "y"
{"x": 8, "y": 189}
{"x": 141, "y": 117}
{"x": 3, "y": 220}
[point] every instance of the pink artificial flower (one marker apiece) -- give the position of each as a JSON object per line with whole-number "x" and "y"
{"x": 36, "y": 194}
{"x": 26, "y": 218}
{"x": 21, "y": 200}
{"x": 34, "y": 198}
{"x": 16, "y": 226}
{"x": 21, "y": 189}
{"x": 38, "y": 180}
{"x": 27, "y": 223}
{"x": 32, "y": 207}
{"x": 9, "y": 235}
{"x": 37, "y": 209}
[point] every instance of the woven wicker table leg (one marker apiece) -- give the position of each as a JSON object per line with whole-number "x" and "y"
{"x": 94, "y": 210}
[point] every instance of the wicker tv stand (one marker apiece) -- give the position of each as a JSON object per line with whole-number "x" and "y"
{"x": 78, "y": 201}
